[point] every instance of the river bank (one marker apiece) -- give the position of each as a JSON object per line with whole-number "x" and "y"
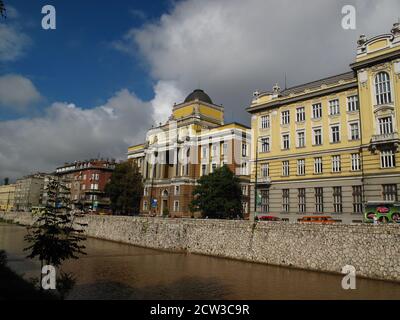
{"x": 372, "y": 250}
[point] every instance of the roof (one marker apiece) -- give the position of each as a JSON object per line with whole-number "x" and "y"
{"x": 318, "y": 83}
{"x": 200, "y": 95}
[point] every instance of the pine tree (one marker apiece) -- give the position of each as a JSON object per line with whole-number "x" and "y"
{"x": 56, "y": 236}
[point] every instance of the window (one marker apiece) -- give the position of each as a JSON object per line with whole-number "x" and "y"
{"x": 214, "y": 150}
{"x": 301, "y": 139}
{"x": 337, "y": 200}
{"x": 382, "y": 88}
{"x": 389, "y": 192}
{"x": 244, "y": 150}
{"x": 265, "y": 201}
{"x": 335, "y": 134}
{"x": 285, "y": 117}
{"x": 318, "y": 165}
{"x": 204, "y": 152}
{"x": 336, "y": 164}
{"x": 317, "y": 111}
{"x": 352, "y": 104}
{"x": 319, "y": 199}
{"x": 214, "y": 166}
{"x": 385, "y": 125}
{"x": 244, "y": 169}
{"x": 145, "y": 191}
{"x": 176, "y": 206}
{"x": 285, "y": 168}
{"x": 145, "y": 206}
{"x": 357, "y": 199}
{"x": 302, "y": 200}
{"x": 354, "y": 131}
{"x": 265, "y": 123}
{"x": 94, "y": 186}
{"x": 83, "y": 187}
{"x": 285, "y": 142}
{"x": 300, "y": 114}
{"x": 285, "y": 200}
{"x": 265, "y": 146}
{"x": 317, "y": 136}
{"x": 225, "y": 149}
{"x": 265, "y": 170}
{"x": 301, "y": 167}
{"x": 355, "y": 162}
{"x": 177, "y": 190}
{"x": 245, "y": 207}
{"x": 203, "y": 169}
{"x": 334, "y": 108}
{"x": 244, "y": 190}
{"x": 387, "y": 159}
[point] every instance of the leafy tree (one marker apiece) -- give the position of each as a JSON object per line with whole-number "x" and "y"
{"x": 2, "y": 9}
{"x": 218, "y": 195}
{"x": 56, "y": 236}
{"x": 125, "y": 189}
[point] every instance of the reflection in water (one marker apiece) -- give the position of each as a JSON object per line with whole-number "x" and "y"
{"x": 118, "y": 271}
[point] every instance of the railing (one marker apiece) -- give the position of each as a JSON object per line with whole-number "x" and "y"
{"x": 386, "y": 137}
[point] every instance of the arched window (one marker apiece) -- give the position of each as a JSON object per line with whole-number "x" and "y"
{"x": 382, "y": 88}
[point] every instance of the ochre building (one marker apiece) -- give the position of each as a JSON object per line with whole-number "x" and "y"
{"x": 7, "y": 193}
{"x": 193, "y": 142}
{"x": 329, "y": 146}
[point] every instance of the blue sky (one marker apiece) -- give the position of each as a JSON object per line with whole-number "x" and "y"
{"x": 76, "y": 62}
{"x": 112, "y": 69}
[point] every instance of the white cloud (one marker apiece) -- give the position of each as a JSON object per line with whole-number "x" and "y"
{"x": 232, "y": 47}
{"x": 68, "y": 133}
{"x": 13, "y": 42}
{"x": 166, "y": 94}
{"x": 17, "y": 92}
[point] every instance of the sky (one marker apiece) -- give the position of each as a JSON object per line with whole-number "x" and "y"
{"x": 111, "y": 70}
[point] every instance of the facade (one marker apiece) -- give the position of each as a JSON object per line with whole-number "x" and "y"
{"x": 28, "y": 192}
{"x": 7, "y": 194}
{"x": 329, "y": 146}
{"x": 193, "y": 142}
{"x": 87, "y": 181}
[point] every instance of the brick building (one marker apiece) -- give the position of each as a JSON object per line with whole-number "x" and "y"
{"x": 87, "y": 181}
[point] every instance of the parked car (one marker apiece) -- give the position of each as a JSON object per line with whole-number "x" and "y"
{"x": 267, "y": 218}
{"x": 317, "y": 219}
{"x": 382, "y": 211}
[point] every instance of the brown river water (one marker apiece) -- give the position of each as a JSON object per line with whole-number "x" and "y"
{"x": 119, "y": 271}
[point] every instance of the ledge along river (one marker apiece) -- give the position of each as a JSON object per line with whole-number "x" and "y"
{"x": 119, "y": 271}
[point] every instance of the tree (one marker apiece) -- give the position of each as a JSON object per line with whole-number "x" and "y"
{"x": 125, "y": 189}
{"x": 218, "y": 195}
{"x": 56, "y": 236}
{"x": 2, "y": 9}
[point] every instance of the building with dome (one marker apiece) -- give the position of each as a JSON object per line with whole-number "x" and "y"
{"x": 193, "y": 142}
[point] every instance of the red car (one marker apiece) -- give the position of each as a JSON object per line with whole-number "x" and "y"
{"x": 267, "y": 218}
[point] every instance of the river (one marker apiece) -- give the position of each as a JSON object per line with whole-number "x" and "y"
{"x": 119, "y": 271}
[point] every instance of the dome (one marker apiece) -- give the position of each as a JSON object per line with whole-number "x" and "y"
{"x": 200, "y": 95}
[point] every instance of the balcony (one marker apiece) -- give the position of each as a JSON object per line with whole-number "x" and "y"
{"x": 385, "y": 140}
{"x": 264, "y": 181}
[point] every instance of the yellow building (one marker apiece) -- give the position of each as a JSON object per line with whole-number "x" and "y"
{"x": 193, "y": 142}
{"x": 7, "y": 194}
{"x": 328, "y": 146}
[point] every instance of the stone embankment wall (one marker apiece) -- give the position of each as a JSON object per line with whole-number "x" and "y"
{"x": 372, "y": 250}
